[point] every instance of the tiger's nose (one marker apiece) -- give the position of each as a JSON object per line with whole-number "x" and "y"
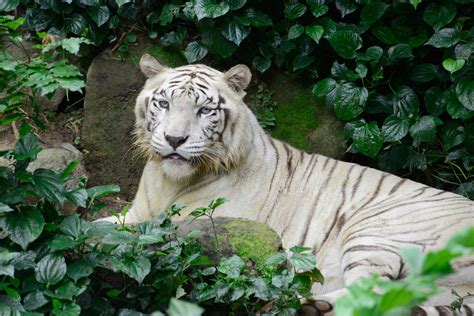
{"x": 175, "y": 142}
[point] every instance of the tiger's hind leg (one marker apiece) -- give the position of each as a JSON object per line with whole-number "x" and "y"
{"x": 444, "y": 310}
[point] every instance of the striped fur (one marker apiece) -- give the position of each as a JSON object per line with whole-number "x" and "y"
{"x": 354, "y": 218}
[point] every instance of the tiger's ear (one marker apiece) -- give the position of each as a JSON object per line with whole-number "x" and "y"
{"x": 150, "y": 66}
{"x": 238, "y": 78}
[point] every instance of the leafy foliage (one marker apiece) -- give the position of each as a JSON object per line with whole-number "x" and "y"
{"x": 56, "y": 264}
{"x": 23, "y": 80}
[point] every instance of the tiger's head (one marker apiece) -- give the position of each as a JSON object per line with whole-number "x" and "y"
{"x": 190, "y": 118}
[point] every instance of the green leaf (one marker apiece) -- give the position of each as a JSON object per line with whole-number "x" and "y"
{"x": 261, "y": 64}
{"x": 257, "y": 18}
{"x": 349, "y": 101}
{"x": 79, "y": 269}
{"x": 324, "y": 87}
{"x": 434, "y": 101}
{"x": 415, "y": 3}
{"x": 394, "y": 298}
{"x": 49, "y": 185}
{"x": 405, "y": 102}
{"x": 210, "y": 9}
{"x": 346, "y": 7}
{"x": 465, "y": 93}
{"x": 175, "y": 38}
{"x": 319, "y": 10}
{"x": 455, "y": 108}
{"x": 444, "y": 38}
{"x": 424, "y": 130}
{"x": 99, "y": 14}
{"x": 23, "y": 227}
{"x": 76, "y": 24}
{"x": 452, "y": 135}
{"x": 368, "y": 139}
{"x": 4, "y": 208}
{"x": 384, "y": 34}
{"x": 71, "y": 84}
{"x": 27, "y": 147}
{"x": 372, "y": 12}
{"x": 72, "y": 45}
{"x": 34, "y": 300}
{"x": 68, "y": 309}
{"x": 102, "y": 190}
{"x": 51, "y": 269}
{"x": 438, "y": 262}
{"x": 302, "y": 62}
{"x": 294, "y": 10}
{"x": 423, "y": 73}
{"x": 168, "y": 13}
{"x": 137, "y": 268}
{"x": 315, "y": 32}
{"x": 295, "y": 31}
{"x": 8, "y": 5}
{"x": 340, "y": 71}
{"x": 234, "y": 31}
{"x": 400, "y": 51}
{"x": 61, "y": 242}
{"x": 373, "y": 53}
{"x": 453, "y": 65}
{"x": 394, "y": 128}
{"x": 77, "y": 196}
{"x": 438, "y": 16}
{"x": 303, "y": 261}
{"x": 361, "y": 70}
{"x": 122, "y": 2}
{"x": 182, "y": 308}
{"x": 195, "y": 51}
{"x": 61, "y": 70}
{"x": 236, "y": 4}
{"x": 276, "y": 259}
{"x": 231, "y": 267}
{"x": 345, "y": 43}
{"x": 415, "y": 258}
{"x": 72, "y": 226}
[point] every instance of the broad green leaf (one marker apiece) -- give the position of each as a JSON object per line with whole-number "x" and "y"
{"x": 231, "y": 267}
{"x": 276, "y": 259}
{"x": 346, "y": 7}
{"x": 368, "y": 139}
{"x": 453, "y": 65}
{"x": 62, "y": 70}
{"x": 324, "y": 87}
{"x": 315, "y": 32}
{"x": 73, "y": 226}
{"x": 423, "y": 73}
{"x": 71, "y": 84}
{"x": 34, "y": 300}
{"x": 434, "y": 101}
{"x": 175, "y": 38}
{"x": 210, "y": 9}
{"x": 395, "y": 298}
{"x": 455, "y": 108}
{"x": 349, "y": 101}
{"x": 137, "y": 268}
{"x": 77, "y": 196}
{"x": 438, "y": 16}
{"x": 384, "y": 34}
{"x": 424, "y": 130}
{"x": 394, "y": 128}
{"x": 234, "y": 31}
{"x": 8, "y": 5}
{"x": 415, "y": 3}
{"x": 345, "y": 43}
{"x": 372, "y": 53}
{"x": 102, "y": 190}
{"x": 68, "y": 309}
{"x": 122, "y": 2}
{"x": 182, "y": 308}
{"x": 72, "y": 45}
{"x": 300, "y": 249}
{"x": 23, "y": 227}
{"x": 256, "y": 18}
{"x": 62, "y": 242}
{"x": 261, "y": 63}
{"x": 99, "y": 14}
{"x": 67, "y": 291}
{"x": 438, "y": 262}
{"x": 168, "y": 13}
{"x": 51, "y": 269}
{"x": 372, "y": 12}
{"x": 361, "y": 70}
{"x": 340, "y": 71}
{"x": 444, "y": 38}
{"x": 27, "y": 147}
{"x": 319, "y": 10}
{"x": 49, "y": 185}
{"x": 294, "y": 10}
{"x": 4, "y": 208}
{"x": 195, "y": 51}
{"x": 302, "y": 62}
{"x": 236, "y": 4}
{"x": 80, "y": 269}
{"x": 295, "y": 31}
{"x": 464, "y": 51}
{"x": 405, "y": 102}
{"x": 465, "y": 93}
{"x": 452, "y": 135}
{"x": 400, "y": 51}
{"x": 303, "y": 261}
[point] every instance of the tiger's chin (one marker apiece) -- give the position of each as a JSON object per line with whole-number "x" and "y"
{"x": 178, "y": 169}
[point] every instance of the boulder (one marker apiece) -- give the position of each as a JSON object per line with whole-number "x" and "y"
{"x": 303, "y": 120}
{"x": 252, "y": 241}
{"x": 112, "y": 87}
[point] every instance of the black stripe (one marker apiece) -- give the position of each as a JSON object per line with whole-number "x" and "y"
{"x": 467, "y": 310}
{"x": 369, "y": 248}
{"x": 277, "y": 156}
{"x": 397, "y": 186}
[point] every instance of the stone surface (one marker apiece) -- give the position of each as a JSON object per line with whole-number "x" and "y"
{"x": 252, "y": 241}
{"x": 112, "y": 87}
{"x": 302, "y": 120}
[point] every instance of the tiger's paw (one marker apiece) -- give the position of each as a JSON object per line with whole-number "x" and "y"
{"x": 315, "y": 307}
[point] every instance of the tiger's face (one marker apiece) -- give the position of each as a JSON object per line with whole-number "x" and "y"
{"x": 183, "y": 115}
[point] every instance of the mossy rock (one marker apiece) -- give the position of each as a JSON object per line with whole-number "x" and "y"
{"x": 252, "y": 241}
{"x": 303, "y": 120}
{"x": 111, "y": 90}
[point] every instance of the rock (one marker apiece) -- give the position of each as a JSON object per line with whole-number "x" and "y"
{"x": 112, "y": 87}
{"x": 303, "y": 120}
{"x": 252, "y": 241}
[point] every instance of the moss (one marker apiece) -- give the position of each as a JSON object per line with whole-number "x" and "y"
{"x": 171, "y": 57}
{"x": 252, "y": 241}
{"x": 296, "y": 119}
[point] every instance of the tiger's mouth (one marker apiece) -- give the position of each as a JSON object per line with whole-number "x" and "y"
{"x": 175, "y": 157}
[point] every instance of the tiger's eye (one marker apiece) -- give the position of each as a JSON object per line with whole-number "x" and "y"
{"x": 204, "y": 110}
{"x": 163, "y": 104}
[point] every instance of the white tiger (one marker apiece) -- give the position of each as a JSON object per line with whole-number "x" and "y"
{"x": 203, "y": 142}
